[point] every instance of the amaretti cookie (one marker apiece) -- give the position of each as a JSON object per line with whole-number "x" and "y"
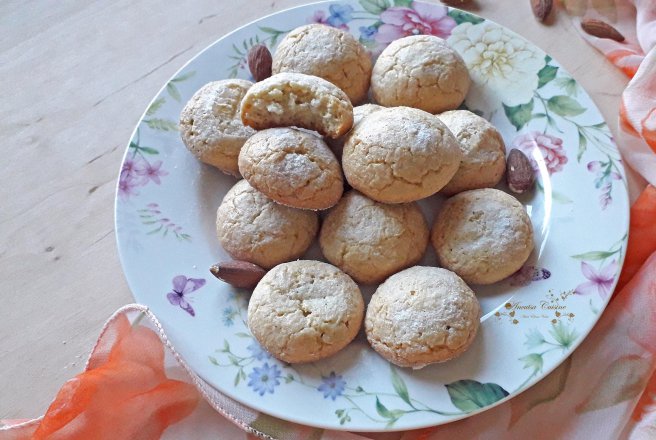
{"x": 484, "y": 153}
{"x": 296, "y": 99}
{"x": 211, "y": 126}
{"x": 420, "y": 71}
{"x": 327, "y": 52}
{"x": 400, "y": 154}
{"x": 305, "y": 310}
{"x": 422, "y": 315}
{"x": 252, "y": 227}
{"x": 370, "y": 240}
{"x": 292, "y": 167}
{"x": 359, "y": 112}
{"x": 483, "y": 235}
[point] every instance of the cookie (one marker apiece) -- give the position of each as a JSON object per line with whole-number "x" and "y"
{"x": 327, "y": 52}
{"x": 252, "y": 227}
{"x": 359, "y": 112}
{"x": 484, "y": 153}
{"x": 370, "y": 240}
{"x": 400, "y": 154}
{"x": 211, "y": 127}
{"x": 483, "y": 235}
{"x": 422, "y": 315}
{"x": 420, "y": 71}
{"x": 292, "y": 167}
{"x": 296, "y": 99}
{"x": 305, "y": 310}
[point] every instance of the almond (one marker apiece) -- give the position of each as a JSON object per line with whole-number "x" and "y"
{"x": 259, "y": 62}
{"x": 240, "y": 274}
{"x": 600, "y": 29}
{"x": 541, "y": 8}
{"x": 455, "y": 2}
{"x": 519, "y": 172}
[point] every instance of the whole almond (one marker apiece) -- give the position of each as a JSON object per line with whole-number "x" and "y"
{"x": 519, "y": 172}
{"x": 240, "y": 274}
{"x": 600, "y": 29}
{"x": 541, "y": 8}
{"x": 259, "y": 62}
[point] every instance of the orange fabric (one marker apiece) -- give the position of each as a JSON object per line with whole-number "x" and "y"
{"x": 125, "y": 396}
{"x": 627, "y": 60}
{"x": 649, "y": 129}
{"x": 625, "y": 124}
{"x": 642, "y": 235}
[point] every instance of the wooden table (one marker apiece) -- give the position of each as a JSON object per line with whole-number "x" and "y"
{"x": 75, "y": 78}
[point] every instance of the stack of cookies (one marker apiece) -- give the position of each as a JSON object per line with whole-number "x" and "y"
{"x": 296, "y": 138}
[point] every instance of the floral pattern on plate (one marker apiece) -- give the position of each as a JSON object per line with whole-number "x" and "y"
{"x": 531, "y": 322}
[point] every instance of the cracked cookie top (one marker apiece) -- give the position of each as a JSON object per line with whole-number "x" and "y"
{"x": 252, "y": 227}
{"x": 483, "y": 235}
{"x": 329, "y": 53}
{"x": 305, "y": 310}
{"x": 400, "y": 154}
{"x": 422, "y": 315}
{"x": 210, "y": 124}
{"x": 369, "y": 240}
{"x": 483, "y": 151}
{"x": 420, "y": 71}
{"x": 292, "y": 167}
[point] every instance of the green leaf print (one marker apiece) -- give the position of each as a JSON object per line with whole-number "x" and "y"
{"x": 546, "y": 74}
{"x": 173, "y": 91}
{"x": 375, "y": 6}
{"x": 391, "y": 415}
{"x": 399, "y": 386}
{"x": 567, "y": 84}
{"x": 470, "y": 395}
{"x": 403, "y": 3}
{"x": 564, "y": 106}
{"x": 594, "y": 255}
{"x": 583, "y": 145}
{"x": 148, "y": 150}
{"x": 519, "y": 115}
{"x": 161, "y": 124}
{"x": 156, "y": 105}
{"x": 464, "y": 17}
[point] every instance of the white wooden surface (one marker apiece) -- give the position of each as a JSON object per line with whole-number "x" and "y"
{"x": 75, "y": 77}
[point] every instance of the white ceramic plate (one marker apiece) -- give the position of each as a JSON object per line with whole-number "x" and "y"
{"x": 165, "y": 214}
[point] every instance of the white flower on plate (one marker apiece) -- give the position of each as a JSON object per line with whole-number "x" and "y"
{"x": 501, "y": 64}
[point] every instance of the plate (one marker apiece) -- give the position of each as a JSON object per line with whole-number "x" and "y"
{"x": 166, "y": 206}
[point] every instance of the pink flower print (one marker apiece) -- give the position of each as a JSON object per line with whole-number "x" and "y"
{"x": 149, "y": 171}
{"x": 423, "y": 18}
{"x": 600, "y": 282}
{"x": 128, "y": 166}
{"x": 551, "y": 149}
{"x": 604, "y": 176}
{"x": 127, "y": 185}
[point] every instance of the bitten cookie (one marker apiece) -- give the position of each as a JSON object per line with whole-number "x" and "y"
{"x": 370, "y": 240}
{"x": 359, "y": 113}
{"x": 292, "y": 167}
{"x": 296, "y": 99}
{"x": 305, "y": 310}
{"x": 484, "y": 153}
{"x": 210, "y": 124}
{"x": 422, "y": 315}
{"x": 252, "y": 227}
{"x": 483, "y": 235}
{"x": 400, "y": 154}
{"x": 420, "y": 71}
{"x": 329, "y": 53}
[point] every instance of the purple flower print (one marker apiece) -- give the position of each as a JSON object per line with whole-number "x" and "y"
{"x": 604, "y": 177}
{"x": 332, "y": 386}
{"x": 550, "y": 147}
{"x": 422, "y": 18}
{"x": 599, "y": 282}
{"x": 339, "y": 16}
{"x": 149, "y": 172}
{"x": 264, "y": 379}
{"x": 127, "y": 185}
{"x": 182, "y": 287}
